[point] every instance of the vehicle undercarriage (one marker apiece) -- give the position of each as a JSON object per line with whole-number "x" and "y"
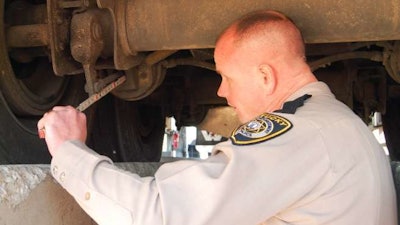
{"x": 59, "y": 52}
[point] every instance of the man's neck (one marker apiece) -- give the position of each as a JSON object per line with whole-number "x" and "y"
{"x": 289, "y": 87}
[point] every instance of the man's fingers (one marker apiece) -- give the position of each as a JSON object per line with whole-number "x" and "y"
{"x": 42, "y": 133}
{"x": 41, "y": 125}
{"x": 63, "y": 108}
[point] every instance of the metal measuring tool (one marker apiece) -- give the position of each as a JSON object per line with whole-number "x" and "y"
{"x": 92, "y": 99}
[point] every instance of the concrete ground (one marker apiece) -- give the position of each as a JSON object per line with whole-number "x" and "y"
{"x": 29, "y": 195}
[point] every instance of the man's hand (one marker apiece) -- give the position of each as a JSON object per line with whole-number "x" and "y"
{"x": 61, "y": 124}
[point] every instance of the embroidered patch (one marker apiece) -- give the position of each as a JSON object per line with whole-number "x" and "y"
{"x": 264, "y": 127}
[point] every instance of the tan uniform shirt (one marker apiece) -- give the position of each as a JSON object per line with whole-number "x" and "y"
{"x": 327, "y": 169}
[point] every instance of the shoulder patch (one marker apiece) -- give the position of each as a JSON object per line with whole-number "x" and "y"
{"x": 263, "y": 128}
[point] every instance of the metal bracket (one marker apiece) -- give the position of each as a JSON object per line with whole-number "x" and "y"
{"x": 59, "y": 27}
{"x": 87, "y": 44}
{"x": 391, "y": 59}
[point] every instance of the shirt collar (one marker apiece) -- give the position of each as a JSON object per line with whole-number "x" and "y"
{"x": 314, "y": 88}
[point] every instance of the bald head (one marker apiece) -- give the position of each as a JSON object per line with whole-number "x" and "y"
{"x": 268, "y": 31}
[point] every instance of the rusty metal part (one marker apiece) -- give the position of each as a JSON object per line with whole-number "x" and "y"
{"x": 101, "y": 83}
{"x": 220, "y": 120}
{"x": 392, "y": 59}
{"x": 27, "y": 36}
{"x": 157, "y": 56}
{"x": 74, "y": 4}
{"x": 189, "y": 61}
{"x": 202, "y": 54}
{"x": 25, "y": 32}
{"x": 374, "y": 56}
{"x": 336, "y": 48}
{"x": 184, "y": 25}
{"x": 91, "y": 78}
{"x": 87, "y": 44}
{"x": 140, "y": 82}
{"x": 59, "y": 28}
{"x": 124, "y": 58}
{"x": 144, "y": 79}
{"x": 86, "y": 37}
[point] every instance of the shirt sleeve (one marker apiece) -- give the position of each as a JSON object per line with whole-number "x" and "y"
{"x": 75, "y": 167}
{"x": 237, "y": 185}
{"x": 108, "y": 194}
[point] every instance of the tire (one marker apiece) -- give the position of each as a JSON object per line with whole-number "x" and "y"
{"x": 126, "y": 131}
{"x": 31, "y": 89}
{"x": 20, "y": 143}
{"x": 24, "y": 95}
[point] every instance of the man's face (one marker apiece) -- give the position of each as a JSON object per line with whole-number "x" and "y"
{"x": 241, "y": 83}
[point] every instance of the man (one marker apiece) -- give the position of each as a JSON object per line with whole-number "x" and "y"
{"x": 301, "y": 156}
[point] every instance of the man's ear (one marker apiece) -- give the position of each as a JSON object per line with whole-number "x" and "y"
{"x": 269, "y": 78}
